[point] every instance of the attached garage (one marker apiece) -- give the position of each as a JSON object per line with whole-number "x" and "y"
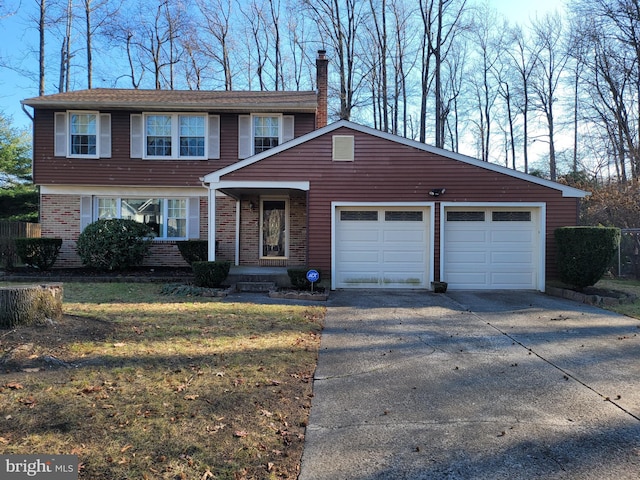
{"x": 381, "y": 246}
{"x": 493, "y": 247}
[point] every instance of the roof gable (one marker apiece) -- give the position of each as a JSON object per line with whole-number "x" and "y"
{"x": 567, "y": 191}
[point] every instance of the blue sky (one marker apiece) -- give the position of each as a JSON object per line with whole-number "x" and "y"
{"x": 18, "y": 35}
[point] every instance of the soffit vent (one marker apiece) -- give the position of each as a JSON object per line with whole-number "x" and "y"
{"x": 343, "y": 148}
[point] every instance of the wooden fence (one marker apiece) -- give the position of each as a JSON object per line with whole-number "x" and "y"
{"x": 19, "y": 229}
{"x": 10, "y": 230}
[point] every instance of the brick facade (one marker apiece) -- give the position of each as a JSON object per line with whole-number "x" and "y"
{"x": 61, "y": 219}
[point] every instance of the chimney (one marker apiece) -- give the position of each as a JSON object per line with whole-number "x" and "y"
{"x": 322, "y": 84}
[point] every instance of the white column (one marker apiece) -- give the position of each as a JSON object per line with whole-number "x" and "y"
{"x": 212, "y": 224}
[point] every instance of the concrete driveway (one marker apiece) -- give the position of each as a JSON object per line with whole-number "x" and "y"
{"x": 473, "y": 385}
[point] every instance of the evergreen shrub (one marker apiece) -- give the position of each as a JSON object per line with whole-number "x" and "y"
{"x": 40, "y": 253}
{"x": 584, "y": 253}
{"x": 114, "y": 244}
{"x": 210, "y": 274}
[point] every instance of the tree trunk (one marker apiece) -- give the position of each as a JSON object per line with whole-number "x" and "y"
{"x": 30, "y": 304}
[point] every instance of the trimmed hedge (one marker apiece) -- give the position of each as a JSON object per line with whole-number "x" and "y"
{"x": 298, "y": 277}
{"x": 584, "y": 253}
{"x": 194, "y": 250}
{"x": 114, "y": 244}
{"x": 40, "y": 253}
{"x": 210, "y": 274}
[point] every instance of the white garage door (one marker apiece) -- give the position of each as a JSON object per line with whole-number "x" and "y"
{"x": 491, "y": 248}
{"x": 380, "y": 247}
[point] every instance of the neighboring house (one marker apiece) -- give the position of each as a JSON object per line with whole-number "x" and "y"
{"x": 367, "y": 208}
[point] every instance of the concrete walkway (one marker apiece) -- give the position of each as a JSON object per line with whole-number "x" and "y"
{"x": 470, "y": 385}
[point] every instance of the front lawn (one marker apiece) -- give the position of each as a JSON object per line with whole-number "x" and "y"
{"x": 141, "y": 385}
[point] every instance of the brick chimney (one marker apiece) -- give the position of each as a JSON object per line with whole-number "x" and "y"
{"x": 322, "y": 82}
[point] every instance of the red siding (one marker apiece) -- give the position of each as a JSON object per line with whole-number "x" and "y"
{"x": 121, "y": 169}
{"x": 385, "y": 171}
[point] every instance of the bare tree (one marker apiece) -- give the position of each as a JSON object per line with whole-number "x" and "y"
{"x": 441, "y": 21}
{"x": 217, "y": 42}
{"x": 545, "y": 82}
{"x": 524, "y": 57}
{"x": 339, "y": 23}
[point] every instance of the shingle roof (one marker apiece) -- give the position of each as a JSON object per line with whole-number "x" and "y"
{"x": 127, "y": 99}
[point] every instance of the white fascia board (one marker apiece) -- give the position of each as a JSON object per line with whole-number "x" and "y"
{"x": 226, "y": 184}
{"x": 117, "y": 191}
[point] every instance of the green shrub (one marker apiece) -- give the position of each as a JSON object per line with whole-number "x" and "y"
{"x": 8, "y": 255}
{"x": 210, "y": 274}
{"x": 114, "y": 244}
{"x": 194, "y": 250}
{"x": 584, "y": 253}
{"x": 298, "y": 278}
{"x": 40, "y": 253}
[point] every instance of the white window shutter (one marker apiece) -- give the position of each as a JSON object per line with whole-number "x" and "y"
{"x": 244, "y": 136}
{"x": 86, "y": 212}
{"x": 193, "y": 214}
{"x": 60, "y": 140}
{"x": 287, "y": 128}
{"x": 136, "y": 136}
{"x": 105, "y": 135}
{"x": 214, "y": 137}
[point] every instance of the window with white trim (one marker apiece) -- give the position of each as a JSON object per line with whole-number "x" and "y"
{"x": 82, "y": 134}
{"x": 83, "y": 128}
{"x": 259, "y": 132}
{"x": 167, "y": 217}
{"x": 181, "y": 136}
{"x": 266, "y": 133}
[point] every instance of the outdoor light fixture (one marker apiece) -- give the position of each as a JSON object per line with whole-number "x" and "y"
{"x": 436, "y": 192}
{"x": 252, "y": 205}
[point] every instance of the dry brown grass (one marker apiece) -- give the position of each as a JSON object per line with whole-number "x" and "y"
{"x": 145, "y": 386}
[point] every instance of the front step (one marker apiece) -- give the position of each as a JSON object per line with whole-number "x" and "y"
{"x": 255, "y": 287}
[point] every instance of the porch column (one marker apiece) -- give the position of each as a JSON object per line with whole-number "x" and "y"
{"x": 212, "y": 224}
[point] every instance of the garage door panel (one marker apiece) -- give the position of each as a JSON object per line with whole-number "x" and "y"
{"x": 466, "y": 236}
{"x": 510, "y": 280}
{"x": 513, "y": 258}
{"x": 512, "y": 236}
{"x": 416, "y": 257}
{"x": 404, "y": 236}
{"x": 389, "y": 252}
{"x": 401, "y": 279}
{"x": 496, "y": 253}
{"x": 461, "y": 259}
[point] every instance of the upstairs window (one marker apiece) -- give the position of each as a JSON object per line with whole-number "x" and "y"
{"x": 260, "y": 132}
{"x": 185, "y": 136}
{"x": 266, "y": 133}
{"x": 82, "y": 134}
{"x": 192, "y": 136}
{"x": 158, "y": 134}
{"x": 175, "y": 136}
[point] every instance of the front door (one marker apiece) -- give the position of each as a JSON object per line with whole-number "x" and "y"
{"x": 274, "y": 218}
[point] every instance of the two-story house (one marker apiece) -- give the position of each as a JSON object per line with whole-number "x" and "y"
{"x": 264, "y": 178}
